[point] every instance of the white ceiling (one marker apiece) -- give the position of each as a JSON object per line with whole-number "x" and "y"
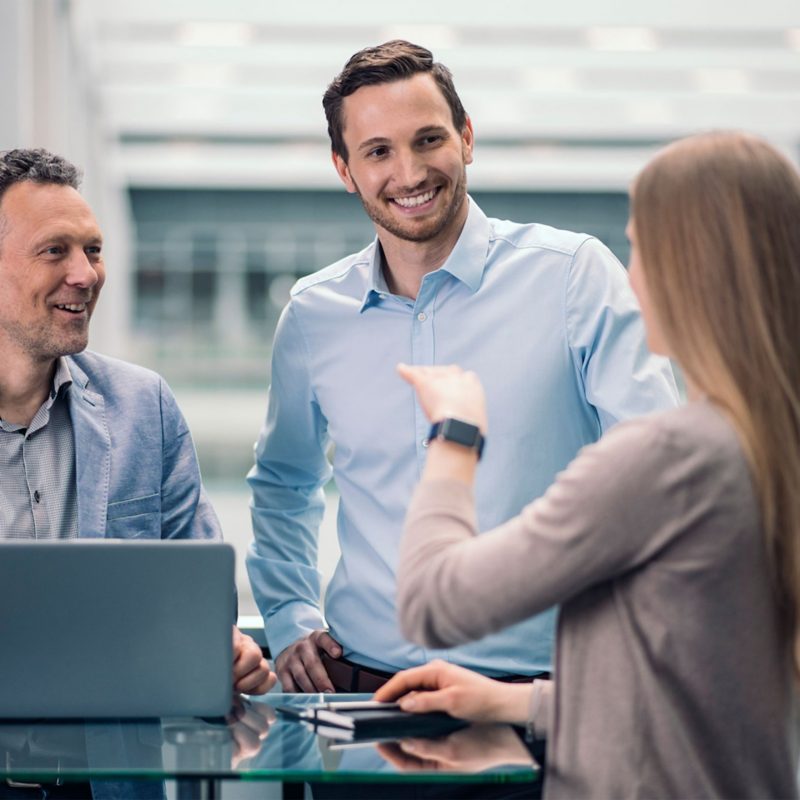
{"x": 568, "y": 95}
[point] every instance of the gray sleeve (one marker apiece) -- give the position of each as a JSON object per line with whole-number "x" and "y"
{"x": 540, "y": 711}
{"x": 601, "y": 517}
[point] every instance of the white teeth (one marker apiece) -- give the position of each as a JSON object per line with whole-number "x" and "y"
{"x": 72, "y": 306}
{"x": 412, "y": 202}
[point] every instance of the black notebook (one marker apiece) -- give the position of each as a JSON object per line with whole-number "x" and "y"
{"x": 374, "y": 723}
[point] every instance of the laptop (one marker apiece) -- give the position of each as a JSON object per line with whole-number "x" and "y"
{"x": 115, "y": 628}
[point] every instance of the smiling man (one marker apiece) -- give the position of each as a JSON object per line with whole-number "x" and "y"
{"x": 546, "y": 318}
{"x": 90, "y": 447}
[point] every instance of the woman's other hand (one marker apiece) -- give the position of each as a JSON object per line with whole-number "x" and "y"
{"x": 439, "y": 686}
{"x": 448, "y": 392}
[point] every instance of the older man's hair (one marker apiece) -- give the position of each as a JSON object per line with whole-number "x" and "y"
{"x": 37, "y": 166}
{"x": 393, "y": 61}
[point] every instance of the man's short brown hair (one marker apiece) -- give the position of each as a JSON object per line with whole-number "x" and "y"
{"x": 394, "y": 61}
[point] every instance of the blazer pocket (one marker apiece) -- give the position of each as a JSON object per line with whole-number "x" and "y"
{"x": 135, "y": 507}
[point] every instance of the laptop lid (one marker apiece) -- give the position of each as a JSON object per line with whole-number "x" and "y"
{"x": 115, "y": 628}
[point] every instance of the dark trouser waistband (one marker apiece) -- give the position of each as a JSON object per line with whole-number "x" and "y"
{"x": 347, "y": 676}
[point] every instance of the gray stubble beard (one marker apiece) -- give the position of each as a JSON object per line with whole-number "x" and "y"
{"x": 39, "y": 343}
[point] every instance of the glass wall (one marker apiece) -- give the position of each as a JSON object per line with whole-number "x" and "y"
{"x": 214, "y": 268}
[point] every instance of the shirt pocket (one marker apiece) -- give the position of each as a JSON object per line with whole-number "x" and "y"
{"x": 138, "y": 518}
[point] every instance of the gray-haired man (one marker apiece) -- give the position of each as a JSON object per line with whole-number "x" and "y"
{"x": 90, "y": 447}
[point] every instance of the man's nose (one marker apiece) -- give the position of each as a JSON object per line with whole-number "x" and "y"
{"x": 411, "y": 169}
{"x": 81, "y": 270}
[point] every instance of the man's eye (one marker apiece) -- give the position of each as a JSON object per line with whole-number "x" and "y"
{"x": 378, "y": 152}
{"x": 53, "y": 251}
{"x": 431, "y": 139}
{"x": 95, "y": 251}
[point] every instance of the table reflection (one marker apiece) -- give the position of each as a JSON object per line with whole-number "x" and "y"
{"x": 251, "y": 740}
{"x": 475, "y": 749}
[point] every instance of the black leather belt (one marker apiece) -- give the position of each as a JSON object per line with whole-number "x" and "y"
{"x": 347, "y": 676}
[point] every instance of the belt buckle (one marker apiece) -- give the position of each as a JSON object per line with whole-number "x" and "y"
{"x": 27, "y": 785}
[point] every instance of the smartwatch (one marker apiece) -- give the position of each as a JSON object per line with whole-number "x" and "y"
{"x": 460, "y": 432}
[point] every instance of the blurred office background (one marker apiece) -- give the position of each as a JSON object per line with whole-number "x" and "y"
{"x": 200, "y": 127}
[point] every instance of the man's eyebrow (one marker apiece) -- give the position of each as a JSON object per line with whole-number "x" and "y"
{"x": 61, "y": 237}
{"x": 432, "y": 129}
{"x": 373, "y": 142}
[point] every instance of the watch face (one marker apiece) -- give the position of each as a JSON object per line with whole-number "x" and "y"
{"x": 460, "y": 432}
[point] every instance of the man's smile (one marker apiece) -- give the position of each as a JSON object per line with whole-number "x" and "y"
{"x": 75, "y": 308}
{"x": 417, "y": 200}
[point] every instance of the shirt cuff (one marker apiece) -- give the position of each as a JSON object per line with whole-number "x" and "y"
{"x": 540, "y": 710}
{"x": 289, "y": 623}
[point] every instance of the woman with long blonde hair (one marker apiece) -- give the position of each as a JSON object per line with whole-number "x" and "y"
{"x": 673, "y": 544}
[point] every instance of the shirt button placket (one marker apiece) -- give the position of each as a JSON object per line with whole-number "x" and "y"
{"x": 422, "y": 345}
{"x": 41, "y": 529}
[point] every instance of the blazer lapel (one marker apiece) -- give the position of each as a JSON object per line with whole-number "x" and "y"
{"x": 92, "y": 455}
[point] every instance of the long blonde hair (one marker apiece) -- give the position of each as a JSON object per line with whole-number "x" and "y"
{"x": 717, "y": 220}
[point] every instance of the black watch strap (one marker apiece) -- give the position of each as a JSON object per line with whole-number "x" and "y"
{"x": 460, "y": 432}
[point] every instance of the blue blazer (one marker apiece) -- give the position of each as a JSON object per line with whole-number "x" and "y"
{"x": 137, "y": 477}
{"x": 135, "y": 464}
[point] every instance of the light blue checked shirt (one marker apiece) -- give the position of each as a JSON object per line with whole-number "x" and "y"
{"x": 547, "y": 320}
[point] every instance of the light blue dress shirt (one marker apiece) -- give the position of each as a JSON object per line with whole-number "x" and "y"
{"x": 547, "y": 320}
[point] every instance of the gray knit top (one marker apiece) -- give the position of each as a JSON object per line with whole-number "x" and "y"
{"x": 673, "y": 676}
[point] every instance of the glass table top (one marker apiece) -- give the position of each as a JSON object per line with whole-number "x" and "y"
{"x": 253, "y": 742}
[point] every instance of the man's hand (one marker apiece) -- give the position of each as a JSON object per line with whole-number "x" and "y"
{"x": 299, "y": 667}
{"x": 251, "y": 672}
{"x": 439, "y": 686}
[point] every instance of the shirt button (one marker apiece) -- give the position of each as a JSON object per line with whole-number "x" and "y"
{"x": 426, "y": 442}
{"x": 382, "y": 296}
{"x": 422, "y": 316}
{"x": 36, "y": 496}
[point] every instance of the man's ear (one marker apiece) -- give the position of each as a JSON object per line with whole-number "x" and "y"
{"x": 467, "y": 141}
{"x": 343, "y": 171}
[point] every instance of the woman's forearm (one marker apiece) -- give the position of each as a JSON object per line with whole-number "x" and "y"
{"x": 450, "y": 461}
{"x": 523, "y": 704}
{"x": 454, "y": 586}
{"x": 510, "y": 703}
{"x": 441, "y": 515}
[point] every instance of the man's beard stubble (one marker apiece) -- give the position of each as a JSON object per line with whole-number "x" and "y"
{"x": 41, "y": 343}
{"x": 427, "y": 232}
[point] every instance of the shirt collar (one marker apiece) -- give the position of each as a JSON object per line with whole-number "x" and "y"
{"x": 61, "y": 379}
{"x": 465, "y": 263}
